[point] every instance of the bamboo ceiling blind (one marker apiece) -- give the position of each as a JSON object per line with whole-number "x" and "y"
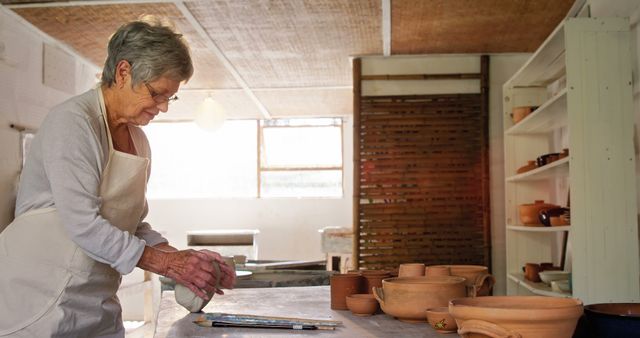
{"x": 421, "y": 176}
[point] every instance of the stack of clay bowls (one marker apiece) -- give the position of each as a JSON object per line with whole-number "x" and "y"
{"x": 478, "y": 280}
{"x": 407, "y": 298}
{"x": 516, "y": 316}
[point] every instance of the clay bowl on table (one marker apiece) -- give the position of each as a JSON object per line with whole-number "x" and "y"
{"x": 440, "y": 320}
{"x": 614, "y": 320}
{"x": 362, "y": 304}
{"x": 437, "y": 270}
{"x": 516, "y": 316}
{"x": 407, "y": 298}
{"x": 411, "y": 270}
{"x": 478, "y": 280}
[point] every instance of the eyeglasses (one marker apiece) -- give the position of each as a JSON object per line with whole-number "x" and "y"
{"x": 158, "y": 97}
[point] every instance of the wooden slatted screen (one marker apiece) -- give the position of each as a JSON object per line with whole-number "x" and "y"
{"x": 421, "y": 177}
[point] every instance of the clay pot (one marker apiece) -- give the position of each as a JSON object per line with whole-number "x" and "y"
{"x": 532, "y": 272}
{"x": 437, "y": 270}
{"x": 545, "y": 215}
{"x": 478, "y": 280}
{"x": 407, "y": 298}
{"x": 529, "y": 213}
{"x": 547, "y": 158}
{"x": 519, "y": 113}
{"x": 557, "y": 221}
{"x": 516, "y": 316}
{"x": 343, "y": 285}
{"x": 411, "y": 270}
{"x": 547, "y": 266}
{"x": 362, "y": 304}
{"x": 529, "y": 166}
{"x": 373, "y": 278}
{"x": 441, "y": 320}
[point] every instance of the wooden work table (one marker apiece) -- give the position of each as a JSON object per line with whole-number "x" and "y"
{"x": 310, "y": 302}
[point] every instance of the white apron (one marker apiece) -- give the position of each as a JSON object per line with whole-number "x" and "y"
{"x": 48, "y": 286}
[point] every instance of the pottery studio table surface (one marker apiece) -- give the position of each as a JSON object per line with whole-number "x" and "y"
{"x": 310, "y": 302}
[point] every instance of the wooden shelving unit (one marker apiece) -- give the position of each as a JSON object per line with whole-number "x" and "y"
{"x": 592, "y": 116}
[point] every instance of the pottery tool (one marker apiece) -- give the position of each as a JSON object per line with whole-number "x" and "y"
{"x": 240, "y": 320}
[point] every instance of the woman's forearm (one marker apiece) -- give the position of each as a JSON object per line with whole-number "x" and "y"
{"x": 154, "y": 259}
{"x": 165, "y": 247}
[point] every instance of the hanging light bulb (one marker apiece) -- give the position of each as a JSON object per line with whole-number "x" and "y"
{"x": 210, "y": 115}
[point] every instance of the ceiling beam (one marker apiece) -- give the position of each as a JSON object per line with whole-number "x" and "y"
{"x": 265, "y": 89}
{"x": 386, "y": 27}
{"x": 50, "y": 40}
{"x": 223, "y": 58}
{"x": 73, "y": 3}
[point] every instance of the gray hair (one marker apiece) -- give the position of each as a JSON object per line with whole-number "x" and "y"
{"x": 153, "y": 48}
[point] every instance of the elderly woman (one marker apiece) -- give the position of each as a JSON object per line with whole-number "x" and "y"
{"x": 81, "y": 203}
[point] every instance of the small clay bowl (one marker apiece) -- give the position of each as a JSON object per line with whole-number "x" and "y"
{"x": 362, "y": 304}
{"x": 440, "y": 320}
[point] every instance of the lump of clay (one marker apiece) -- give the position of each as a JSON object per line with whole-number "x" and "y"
{"x": 190, "y": 300}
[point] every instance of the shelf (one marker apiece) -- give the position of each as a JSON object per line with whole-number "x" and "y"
{"x": 538, "y": 229}
{"x": 545, "y": 65}
{"x": 557, "y": 168}
{"x": 537, "y": 288}
{"x": 550, "y": 116}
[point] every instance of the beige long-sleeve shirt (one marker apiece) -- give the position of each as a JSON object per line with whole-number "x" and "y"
{"x": 63, "y": 170}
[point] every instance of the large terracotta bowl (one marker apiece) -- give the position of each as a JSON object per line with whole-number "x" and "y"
{"x": 407, "y": 298}
{"x": 516, "y": 316}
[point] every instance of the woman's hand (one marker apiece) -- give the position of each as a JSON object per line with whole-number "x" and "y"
{"x": 228, "y": 278}
{"x": 193, "y": 269}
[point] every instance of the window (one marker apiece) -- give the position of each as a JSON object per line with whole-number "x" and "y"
{"x": 301, "y": 158}
{"x": 191, "y": 163}
{"x": 295, "y": 158}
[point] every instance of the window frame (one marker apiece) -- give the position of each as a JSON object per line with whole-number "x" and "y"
{"x": 260, "y": 168}
{"x": 260, "y": 125}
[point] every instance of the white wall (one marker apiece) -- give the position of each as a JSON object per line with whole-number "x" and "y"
{"x": 24, "y": 100}
{"x": 631, "y": 9}
{"x": 501, "y": 69}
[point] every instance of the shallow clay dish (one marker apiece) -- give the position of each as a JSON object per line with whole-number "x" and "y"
{"x": 549, "y": 276}
{"x": 440, "y": 320}
{"x": 362, "y": 304}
